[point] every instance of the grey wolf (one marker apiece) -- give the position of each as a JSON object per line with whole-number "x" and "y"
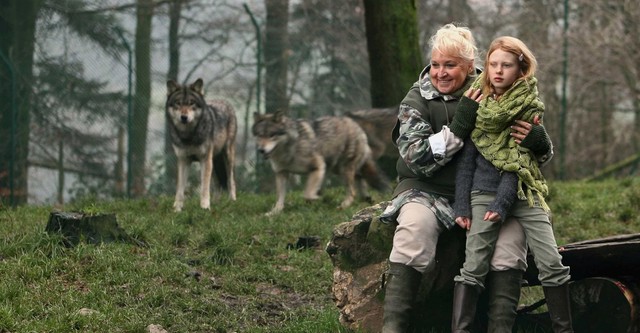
{"x": 204, "y": 132}
{"x": 330, "y": 143}
{"x": 378, "y": 124}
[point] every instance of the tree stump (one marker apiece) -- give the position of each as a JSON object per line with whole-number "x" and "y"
{"x": 91, "y": 228}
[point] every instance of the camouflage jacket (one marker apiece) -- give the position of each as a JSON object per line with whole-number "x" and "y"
{"x": 422, "y": 113}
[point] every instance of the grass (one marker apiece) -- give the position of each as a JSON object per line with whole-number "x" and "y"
{"x": 225, "y": 270}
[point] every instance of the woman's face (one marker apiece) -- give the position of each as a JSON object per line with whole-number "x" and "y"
{"x": 448, "y": 73}
{"x": 503, "y": 70}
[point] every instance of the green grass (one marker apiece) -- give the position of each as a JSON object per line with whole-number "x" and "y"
{"x": 224, "y": 270}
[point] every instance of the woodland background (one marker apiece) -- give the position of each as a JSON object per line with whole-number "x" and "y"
{"x": 82, "y": 82}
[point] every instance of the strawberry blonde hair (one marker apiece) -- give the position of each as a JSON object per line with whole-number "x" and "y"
{"x": 526, "y": 60}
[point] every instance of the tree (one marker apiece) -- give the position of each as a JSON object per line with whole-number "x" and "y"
{"x": 17, "y": 40}
{"x": 175, "y": 9}
{"x": 138, "y": 135}
{"x": 276, "y": 55}
{"x": 394, "y": 51}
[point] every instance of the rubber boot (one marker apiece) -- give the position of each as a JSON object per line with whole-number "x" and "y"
{"x": 503, "y": 292}
{"x": 400, "y": 298}
{"x": 559, "y": 307}
{"x": 465, "y": 301}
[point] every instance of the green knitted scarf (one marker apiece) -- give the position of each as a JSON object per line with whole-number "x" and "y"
{"x": 493, "y": 140}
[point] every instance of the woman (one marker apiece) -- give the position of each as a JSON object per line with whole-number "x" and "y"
{"x": 428, "y": 135}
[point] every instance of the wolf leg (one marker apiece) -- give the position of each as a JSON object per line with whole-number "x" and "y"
{"x": 231, "y": 153}
{"x": 182, "y": 178}
{"x": 206, "y": 170}
{"x": 315, "y": 179}
{"x": 281, "y": 191}
{"x": 350, "y": 180}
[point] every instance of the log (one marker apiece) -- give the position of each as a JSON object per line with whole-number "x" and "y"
{"x": 90, "y": 228}
{"x": 615, "y": 257}
{"x": 598, "y": 304}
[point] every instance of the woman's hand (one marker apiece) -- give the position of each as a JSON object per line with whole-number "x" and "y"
{"x": 474, "y": 94}
{"x": 464, "y": 222}
{"x": 522, "y": 128}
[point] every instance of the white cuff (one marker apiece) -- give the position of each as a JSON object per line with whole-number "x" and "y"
{"x": 438, "y": 144}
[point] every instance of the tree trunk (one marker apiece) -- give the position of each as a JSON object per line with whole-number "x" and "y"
{"x": 17, "y": 40}
{"x": 138, "y": 135}
{"x": 175, "y": 7}
{"x": 394, "y": 51}
{"x": 276, "y": 55}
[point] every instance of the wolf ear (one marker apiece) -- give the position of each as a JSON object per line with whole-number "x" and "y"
{"x": 172, "y": 86}
{"x": 197, "y": 86}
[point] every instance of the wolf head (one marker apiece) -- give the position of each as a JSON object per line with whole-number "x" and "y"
{"x": 185, "y": 104}
{"x": 270, "y": 130}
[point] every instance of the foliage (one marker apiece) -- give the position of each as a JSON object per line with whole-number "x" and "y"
{"x": 225, "y": 270}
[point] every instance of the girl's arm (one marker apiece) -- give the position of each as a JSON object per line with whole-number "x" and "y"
{"x": 506, "y": 195}
{"x": 464, "y": 182}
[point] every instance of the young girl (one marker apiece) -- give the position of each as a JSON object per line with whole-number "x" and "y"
{"x": 498, "y": 178}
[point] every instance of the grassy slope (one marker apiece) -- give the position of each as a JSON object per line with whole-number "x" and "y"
{"x": 227, "y": 270}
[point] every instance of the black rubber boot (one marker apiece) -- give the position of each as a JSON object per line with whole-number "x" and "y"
{"x": 503, "y": 292}
{"x": 400, "y": 298}
{"x": 559, "y": 307}
{"x": 465, "y": 302}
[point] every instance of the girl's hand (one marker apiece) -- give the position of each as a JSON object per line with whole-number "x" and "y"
{"x": 464, "y": 222}
{"x": 474, "y": 94}
{"x": 491, "y": 216}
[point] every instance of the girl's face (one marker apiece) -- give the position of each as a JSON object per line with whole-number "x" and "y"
{"x": 448, "y": 73}
{"x": 503, "y": 70}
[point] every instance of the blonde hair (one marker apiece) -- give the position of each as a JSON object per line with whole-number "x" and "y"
{"x": 526, "y": 60}
{"x": 454, "y": 41}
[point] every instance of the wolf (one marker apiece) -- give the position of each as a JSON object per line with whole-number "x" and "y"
{"x": 201, "y": 131}
{"x": 330, "y": 143}
{"x": 378, "y": 124}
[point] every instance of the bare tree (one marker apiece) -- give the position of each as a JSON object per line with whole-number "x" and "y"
{"x": 17, "y": 40}
{"x": 138, "y": 135}
{"x": 175, "y": 9}
{"x": 276, "y": 55}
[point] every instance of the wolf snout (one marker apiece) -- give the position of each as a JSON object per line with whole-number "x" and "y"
{"x": 184, "y": 119}
{"x": 263, "y": 152}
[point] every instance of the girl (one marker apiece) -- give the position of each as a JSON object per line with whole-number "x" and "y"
{"x": 498, "y": 178}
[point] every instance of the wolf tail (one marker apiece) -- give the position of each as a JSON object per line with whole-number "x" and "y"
{"x": 220, "y": 170}
{"x": 374, "y": 176}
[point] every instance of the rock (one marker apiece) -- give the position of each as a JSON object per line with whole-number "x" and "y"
{"x": 359, "y": 250}
{"x": 153, "y": 328}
